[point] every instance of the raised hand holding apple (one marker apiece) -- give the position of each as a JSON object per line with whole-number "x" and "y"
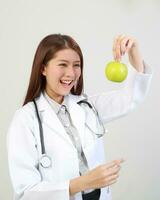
{"x": 117, "y": 71}
{"x": 126, "y": 44}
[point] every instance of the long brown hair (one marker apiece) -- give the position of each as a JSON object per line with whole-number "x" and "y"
{"x": 46, "y": 50}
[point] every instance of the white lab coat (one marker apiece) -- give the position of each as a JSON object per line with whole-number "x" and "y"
{"x": 24, "y": 148}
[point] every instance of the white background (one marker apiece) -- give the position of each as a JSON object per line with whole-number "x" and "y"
{"x": 93, "y": 24}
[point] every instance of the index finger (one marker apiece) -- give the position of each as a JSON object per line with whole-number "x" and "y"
{"x": 114, "y": 163}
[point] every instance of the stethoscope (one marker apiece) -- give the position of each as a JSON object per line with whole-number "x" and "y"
{"x": 45, "y": 161}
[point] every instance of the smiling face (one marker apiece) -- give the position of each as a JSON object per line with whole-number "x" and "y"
{"x": 62, "y": 73}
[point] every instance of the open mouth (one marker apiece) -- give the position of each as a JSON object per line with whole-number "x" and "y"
{"x": 66, "y": 82}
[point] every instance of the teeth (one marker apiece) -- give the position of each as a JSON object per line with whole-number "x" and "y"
{"x": 66, "y": 82}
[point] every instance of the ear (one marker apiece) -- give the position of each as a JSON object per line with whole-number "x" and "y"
{"x": 43, "y": 70}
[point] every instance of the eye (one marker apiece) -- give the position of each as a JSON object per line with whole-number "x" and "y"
{"x": 77, "y": 65}
{"x": 63, "y": 64}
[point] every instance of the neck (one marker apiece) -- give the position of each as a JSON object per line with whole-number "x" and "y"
{"x": 55, "y": 97}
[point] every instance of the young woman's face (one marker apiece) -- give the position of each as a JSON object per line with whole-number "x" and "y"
{"x": 62, "y": 72}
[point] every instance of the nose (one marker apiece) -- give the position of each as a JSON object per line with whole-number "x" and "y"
{"x": 70, "y": 71}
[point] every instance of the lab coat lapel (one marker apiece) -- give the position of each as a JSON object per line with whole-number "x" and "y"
{"x": 49, "y": 117}
{"x": 78, "y": 116}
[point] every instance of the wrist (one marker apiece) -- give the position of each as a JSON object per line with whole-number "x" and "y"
{"x": 77, "y": 185}
{"x": 136, "y": 59}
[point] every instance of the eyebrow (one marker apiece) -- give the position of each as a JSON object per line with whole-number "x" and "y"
{"x": 68, "y": 61}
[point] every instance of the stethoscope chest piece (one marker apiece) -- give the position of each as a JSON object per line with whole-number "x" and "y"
{"x": 45, "y": 161}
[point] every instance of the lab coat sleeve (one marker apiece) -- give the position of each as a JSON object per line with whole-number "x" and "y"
{"x": 23, "y": 159}
{"x": 115, "y": 104}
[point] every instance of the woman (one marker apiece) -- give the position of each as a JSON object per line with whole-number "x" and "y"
{"x": 55, "y": 148}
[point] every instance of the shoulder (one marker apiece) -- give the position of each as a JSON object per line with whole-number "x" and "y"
{"x": 24, "y": 115}
{"x": 22, "y": 125}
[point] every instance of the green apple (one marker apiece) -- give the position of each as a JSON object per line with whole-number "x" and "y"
{"x": 116, "y": 71}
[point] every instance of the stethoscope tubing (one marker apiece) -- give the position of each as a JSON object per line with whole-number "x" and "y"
{"x": 40, "y": 129}
{"x": 43, "y": 150}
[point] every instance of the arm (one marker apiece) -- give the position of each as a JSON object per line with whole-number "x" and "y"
{"x": 23, "y": 158}
{"x": 118, "y": 103}
{"x": 99, "y": 177}
{"x": 26, "y": 179}
{"x": 114, "y": 104}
